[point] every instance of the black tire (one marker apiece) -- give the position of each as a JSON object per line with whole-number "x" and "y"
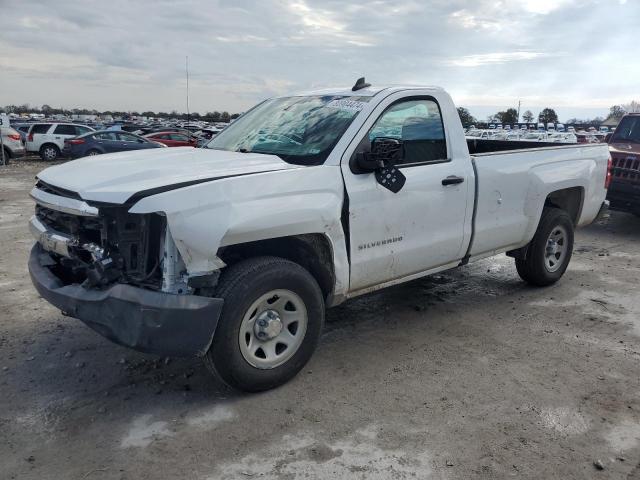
{"x": 240, "y": 286}
{"x": 533, "y": 268}
{"x": 49, "y": 152}
{"x": 93, "y": 152}
{"x": 7, "y": 156}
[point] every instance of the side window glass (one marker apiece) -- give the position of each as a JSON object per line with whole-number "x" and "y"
{"x": 126, "y": 138}
{"x": 65, "y": 130}
{"x": 110, "y": 136}
{"x": 418, "y": 124}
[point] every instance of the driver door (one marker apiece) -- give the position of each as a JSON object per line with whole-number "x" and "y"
{"x": 422, "y": 226}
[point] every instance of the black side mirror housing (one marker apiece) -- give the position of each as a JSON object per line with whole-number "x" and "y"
{"x": 384, "y": 152}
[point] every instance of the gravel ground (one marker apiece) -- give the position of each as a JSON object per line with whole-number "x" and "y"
{"x": 467, "y": 374}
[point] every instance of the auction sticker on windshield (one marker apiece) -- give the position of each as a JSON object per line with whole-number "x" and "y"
{"x": 346, "y": 104}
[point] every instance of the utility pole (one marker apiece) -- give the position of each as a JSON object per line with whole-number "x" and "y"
{"x": 187, "y": 71}
{"x": 518, "y": 111}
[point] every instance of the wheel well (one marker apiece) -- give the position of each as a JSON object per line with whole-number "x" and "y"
{"x": 49, "y": 144}
{"x": 311, "y": 251}
{"x": 569, "y": 200}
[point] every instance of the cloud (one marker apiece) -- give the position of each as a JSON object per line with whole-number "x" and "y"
{"x": 79, "y": 54}
{"x": 493, "y": 58}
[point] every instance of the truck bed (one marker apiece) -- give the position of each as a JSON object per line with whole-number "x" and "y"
{"x": 477, "y": 146}
{"x": 511, "y": 183}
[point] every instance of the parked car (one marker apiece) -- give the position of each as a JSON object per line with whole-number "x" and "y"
{"x": 23, "y": 130}
{"x": 173, "y": 139}
{"x": 233, "y": 252}
{"x": 624, "y": 145}
{"x": 12, "y": 143}
{"x": 47, "y": 139}
{"x": 106, "y": 141}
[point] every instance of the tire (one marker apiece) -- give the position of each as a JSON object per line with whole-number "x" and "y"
{"x": 549, "y": 252}
{"x": 93, "y": 152}
{"x": 245, "y": 287}
{"x": 49, "y": 152}
{"x": 7, "y": 156}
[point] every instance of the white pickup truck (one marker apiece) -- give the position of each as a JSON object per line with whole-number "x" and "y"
{"x": 232, "y": 252}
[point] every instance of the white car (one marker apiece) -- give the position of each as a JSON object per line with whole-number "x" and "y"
{"x": 47, "y": 139}
{"x": 232, "y": 252}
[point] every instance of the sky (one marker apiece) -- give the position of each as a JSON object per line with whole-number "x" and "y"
{"x": 577, "y": 56}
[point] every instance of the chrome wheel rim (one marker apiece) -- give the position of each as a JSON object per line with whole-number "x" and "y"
{"x": 556, "y": 249}
{"x": 92, "y": 153}
{"x": 273, "y": 329}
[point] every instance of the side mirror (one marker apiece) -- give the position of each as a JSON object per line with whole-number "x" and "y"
{"x": 384, "y": 155}
{"x": 385, "y": 152}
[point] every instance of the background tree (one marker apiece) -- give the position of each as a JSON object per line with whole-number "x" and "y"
{"x": 465, "y": 116}
{"x": 633, "y": 107}
{"x": 527, "y": 116}
{"x": 548, "y": 115}
{"x": 225, "y": 117}
{"x": 617, "y": 112}
{"x": 509, "y": 116}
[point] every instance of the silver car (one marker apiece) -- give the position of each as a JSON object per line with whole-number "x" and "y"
{"x": 12, "y": 144}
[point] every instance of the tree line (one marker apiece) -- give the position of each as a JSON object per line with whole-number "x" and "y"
{"x": 48, "y": 111}
{"x": 546, "y": 115}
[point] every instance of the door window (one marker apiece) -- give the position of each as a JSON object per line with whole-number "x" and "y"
{"x": 124, "y": 137}
{"x": 40, "y": 128}
{"x": 177, "y": 137}
{"x": 65, "y": 130}
{"x": 109, "y": 136}
{"x": 82, "y": 130}
{"x": 418, "y": 124}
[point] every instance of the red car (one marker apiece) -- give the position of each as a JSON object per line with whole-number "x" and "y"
{"x": 172, "y": 139}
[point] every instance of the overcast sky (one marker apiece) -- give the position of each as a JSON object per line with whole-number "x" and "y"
{"x": 578, "y": 56}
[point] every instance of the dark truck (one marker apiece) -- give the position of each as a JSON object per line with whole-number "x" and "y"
{"x": 624, "y": 145}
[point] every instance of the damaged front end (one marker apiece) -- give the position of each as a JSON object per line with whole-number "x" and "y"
{"x": 118, "y": 272}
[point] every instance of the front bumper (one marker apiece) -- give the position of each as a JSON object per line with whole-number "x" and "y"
{"x": 145, "y": 320}
{"x": 624, "y": 196}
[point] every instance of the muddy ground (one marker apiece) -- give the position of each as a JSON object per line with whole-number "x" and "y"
{"x": 468, "y": 374}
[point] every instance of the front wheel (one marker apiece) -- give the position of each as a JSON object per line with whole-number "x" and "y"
{"x": 549, "y": 252}
{"x": 270, "y": 324}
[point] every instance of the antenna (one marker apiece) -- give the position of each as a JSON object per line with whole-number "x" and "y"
{"x": 187, "y": 71}
{"x": 360, "y": 84}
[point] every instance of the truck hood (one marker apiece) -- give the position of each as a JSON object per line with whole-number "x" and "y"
{"x": 625, "y": 147}
{"x": 117, "y": 177}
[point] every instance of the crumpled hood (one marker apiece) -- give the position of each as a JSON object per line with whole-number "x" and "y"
{"x": 115, "y": 177}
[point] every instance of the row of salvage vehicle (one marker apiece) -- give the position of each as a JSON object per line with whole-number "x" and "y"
{"x": 52, "y": 140}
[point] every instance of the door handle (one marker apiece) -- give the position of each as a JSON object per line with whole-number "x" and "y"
{"x": 452, "y": 180}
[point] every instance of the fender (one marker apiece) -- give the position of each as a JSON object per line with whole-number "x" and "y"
{"x": 206, "y": 216}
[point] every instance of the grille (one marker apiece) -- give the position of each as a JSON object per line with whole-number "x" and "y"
{"x": 626, "y": 168}
{"x": 61, "y": 192}
{"x": 134, "y": 240}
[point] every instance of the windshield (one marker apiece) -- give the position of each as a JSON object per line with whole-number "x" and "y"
{"x": 300, "y": 130}
{"x": 628, "y": 130}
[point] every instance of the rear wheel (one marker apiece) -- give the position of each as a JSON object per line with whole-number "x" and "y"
{"x": 550, "y": 250}
{"x": 93, "y": 152}
{"x": 7, "y": 156}
{"x": 270, "y": 324}
{"x": 49, "y": 152}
